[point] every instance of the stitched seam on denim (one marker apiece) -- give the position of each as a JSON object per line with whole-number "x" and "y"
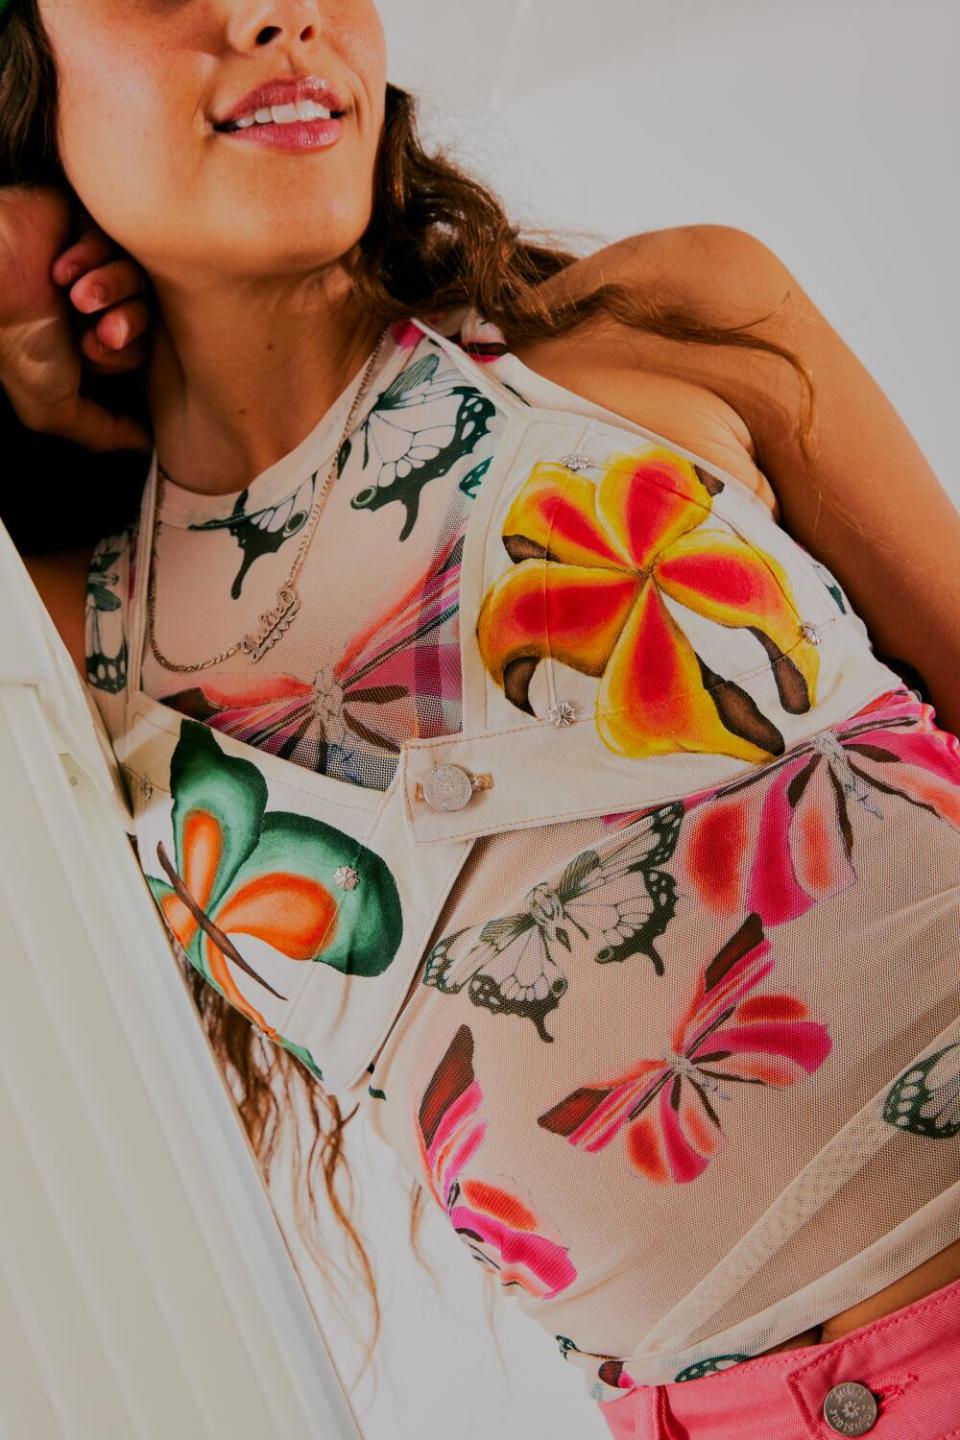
{"x": 834, "y": 1348}
{"x": 545, "y": 819}
{"x": 496, "y": 499}
{"x": 291, "y": 784}
{"x": 463, "y": 737}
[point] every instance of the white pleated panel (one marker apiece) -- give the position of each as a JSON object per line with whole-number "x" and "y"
{"x": 147, "y": 1290}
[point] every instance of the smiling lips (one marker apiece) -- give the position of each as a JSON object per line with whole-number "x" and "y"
{"x": 283, "y": 128}
{"x": 289, "y": 113}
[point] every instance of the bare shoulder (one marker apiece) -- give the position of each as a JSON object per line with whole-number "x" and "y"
{"x": 728, "y": 279}
{"x": 715, "y": 272}
{"x": 853, "y": 492}
{"x": 61, "y": 582}
{"x": 719, "y": 272}
{"x": 679, "y": 390}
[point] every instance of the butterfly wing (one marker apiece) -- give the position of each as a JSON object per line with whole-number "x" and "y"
{"x": 925, "y": 1100}
{"x": 264, "y": 531}
{"x": 239, "y": 871}
{"x": 106, "y": 667}
{"x": 727, "y": 1033}
{"x": 419, "y": 428}
{"x": 506, "y": 969}
{"x": 403, "y": 669}
{"x": 621, "y": 897}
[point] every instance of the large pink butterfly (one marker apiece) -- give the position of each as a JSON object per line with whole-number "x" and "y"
{"x": 667, "y": 1105}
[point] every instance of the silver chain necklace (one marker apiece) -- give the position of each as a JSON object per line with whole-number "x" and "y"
{"x": 275, "y": 622}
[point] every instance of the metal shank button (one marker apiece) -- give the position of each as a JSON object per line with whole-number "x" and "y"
{"x": 447, "y": 787}
{"x": 850, "y": 1408}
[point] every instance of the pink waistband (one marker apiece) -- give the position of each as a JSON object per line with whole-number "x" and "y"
{"x": 894, "y": 1379}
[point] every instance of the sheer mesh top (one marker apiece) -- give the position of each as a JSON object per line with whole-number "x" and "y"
{"x": 684, "y": 1079}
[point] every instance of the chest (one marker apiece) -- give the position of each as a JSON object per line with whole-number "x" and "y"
{"x": 677, "y": 408}
{"x": 321, "y": 868}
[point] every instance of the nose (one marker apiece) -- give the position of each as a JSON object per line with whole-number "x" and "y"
{"x": 251, "y": 24}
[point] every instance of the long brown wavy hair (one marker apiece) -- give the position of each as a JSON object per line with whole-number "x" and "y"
{"x": 437, "y": 238}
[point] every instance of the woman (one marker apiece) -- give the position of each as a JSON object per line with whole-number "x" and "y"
{"x": 336, "y": 358}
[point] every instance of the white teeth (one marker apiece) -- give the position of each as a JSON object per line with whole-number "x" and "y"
{"x": 310, "y": 110}
{"x": 284, "y": 114}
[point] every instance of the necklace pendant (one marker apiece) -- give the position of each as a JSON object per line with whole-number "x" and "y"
{"x": 273, "y": 624}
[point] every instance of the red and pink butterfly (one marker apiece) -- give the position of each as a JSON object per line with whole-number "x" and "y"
{"x": 728, "y": 1036}
{"x": 498, "y": 1227}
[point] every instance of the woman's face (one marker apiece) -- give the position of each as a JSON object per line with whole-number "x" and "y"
{"x": 141, "y": 83}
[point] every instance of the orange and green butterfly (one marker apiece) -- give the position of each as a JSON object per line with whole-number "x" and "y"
{"x": 239, "y": 869}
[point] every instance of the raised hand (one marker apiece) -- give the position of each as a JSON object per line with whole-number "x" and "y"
{"x": 46, "y": 286}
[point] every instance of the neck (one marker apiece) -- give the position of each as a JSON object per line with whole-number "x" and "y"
{"x": 241, "y": 372}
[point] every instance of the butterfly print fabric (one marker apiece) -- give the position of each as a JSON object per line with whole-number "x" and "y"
{"x": 683, "y": 1077}
{"x": 501, "y": 1232}
{"x": 737, "y": 1074}
{"x": 383, "y": 570}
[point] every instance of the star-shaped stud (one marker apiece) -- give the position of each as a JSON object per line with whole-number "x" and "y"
{"x": 561, "y": 714}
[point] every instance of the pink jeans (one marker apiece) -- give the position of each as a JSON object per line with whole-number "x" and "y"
{"x": 897, "y": 1378}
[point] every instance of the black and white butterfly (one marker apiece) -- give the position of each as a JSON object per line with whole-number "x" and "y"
{"x": 615, "y": 902}
{"x": 264, "y": 531}
{"x": 925, "y": 1099}
{"x": 419, "y": 428}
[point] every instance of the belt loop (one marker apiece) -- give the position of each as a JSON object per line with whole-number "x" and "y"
{"x": 661, "y": 1415}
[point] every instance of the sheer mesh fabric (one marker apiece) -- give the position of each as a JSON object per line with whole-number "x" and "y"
{"x": 373, "y": 655}
{"x": 645, "y": 1197}
{"x": 685, "y": 1079}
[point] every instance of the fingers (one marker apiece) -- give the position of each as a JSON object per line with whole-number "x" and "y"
{"x": 107, "y": 284}
{"x": 118, "y": 340}
{"x": 113, "y": 287}
{"x": 93, "y": 248}
{"x": 104, "y": 360}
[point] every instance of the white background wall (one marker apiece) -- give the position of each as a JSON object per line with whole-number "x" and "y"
{"x": 828, "y": 129}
